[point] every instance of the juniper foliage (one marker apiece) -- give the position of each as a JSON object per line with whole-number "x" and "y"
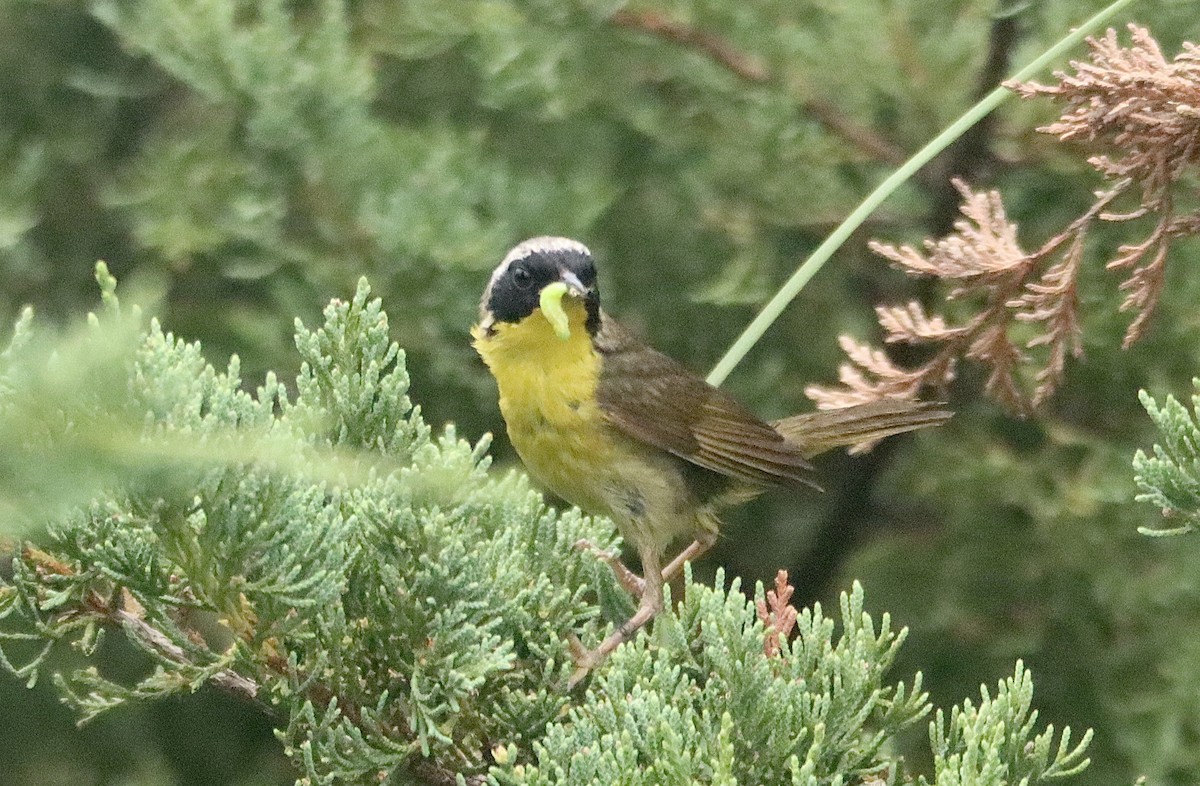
{"x": 327, "y": 554}
{"x": 401, "y": 612}
{"x": 1169, "y": 476}
{"x": 701, "y": 148}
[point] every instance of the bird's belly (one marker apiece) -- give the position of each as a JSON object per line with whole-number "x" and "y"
{"x": 569, "y": 448}
{"x": 565, "y": 448}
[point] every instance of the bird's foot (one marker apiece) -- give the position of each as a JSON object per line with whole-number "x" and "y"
{"x": 585, "y": 660}
{"x": 634, "y": 584}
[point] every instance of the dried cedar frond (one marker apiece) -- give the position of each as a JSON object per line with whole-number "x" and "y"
{"x": 1148, "y": 110}
{"x": 1053, "y": 302}
{"x": 872, "y": 376}
{"x": 777, "y": 615}
{"x": 1146, "y": 107}
{"x": 910, "y": 324}
{"x": 984, "y": 260}
{"x": 982, "y": 249}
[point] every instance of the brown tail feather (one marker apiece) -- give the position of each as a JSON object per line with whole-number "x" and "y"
{"x": 817, "y": 432}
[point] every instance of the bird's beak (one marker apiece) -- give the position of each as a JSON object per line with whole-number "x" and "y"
{"x": 575, "y": 287}
{"x": 550, "y": 301}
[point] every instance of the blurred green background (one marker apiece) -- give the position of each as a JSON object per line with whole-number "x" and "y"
{"x": 240, "y": 163}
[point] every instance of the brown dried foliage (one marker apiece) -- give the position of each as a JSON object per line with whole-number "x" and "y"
{"x": 1148, "y": 110}
{"x": 777, "y": 615}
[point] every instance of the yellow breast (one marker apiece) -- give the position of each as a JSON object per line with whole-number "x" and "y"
{"x": 548, "y": 399}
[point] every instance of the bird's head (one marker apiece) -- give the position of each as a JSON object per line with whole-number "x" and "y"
{"x": 536, "y": 276}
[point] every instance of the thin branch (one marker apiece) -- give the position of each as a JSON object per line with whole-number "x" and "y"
{"x": 227, "y": 680}
{"x": 715, "y": 47}
{"x": 859, "y": 136}
{"x": 753, "y": 70}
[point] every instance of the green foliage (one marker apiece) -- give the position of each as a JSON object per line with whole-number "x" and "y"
{"x": 700, "y": 703}
{"x": 208, "y": 151}
{"x": 404, "y": 570}
{"x": 403, "y": 612}
{"x": 1038, "y": 557}
{"x": 1170, "y": 478}
{"x": 996, "y": 744}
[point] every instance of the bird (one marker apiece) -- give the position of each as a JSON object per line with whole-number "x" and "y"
{"x": 619, "y": 429}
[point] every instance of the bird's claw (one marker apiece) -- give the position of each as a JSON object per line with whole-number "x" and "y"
{"x": 634, "y": 584}
{"x": 585, "y": 660}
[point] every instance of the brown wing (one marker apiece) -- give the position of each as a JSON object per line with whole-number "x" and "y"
{"x": 657, "y": 400}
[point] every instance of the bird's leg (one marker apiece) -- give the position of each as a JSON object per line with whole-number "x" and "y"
{"x": 703, "y": 542}
{"x": 634, "y": 584}
{"x": 650, "y": 606}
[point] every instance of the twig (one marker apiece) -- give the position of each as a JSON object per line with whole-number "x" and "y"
{"x": 720, "y": 50}
{"x": 859, "y": 136}
{"x": 226, "y": 679}
{"x": 752, "y": 70}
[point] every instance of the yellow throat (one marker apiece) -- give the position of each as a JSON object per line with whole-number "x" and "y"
{"x": 548, "y": 398}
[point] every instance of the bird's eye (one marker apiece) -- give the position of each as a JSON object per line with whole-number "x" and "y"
{"x": 522, "y": 277}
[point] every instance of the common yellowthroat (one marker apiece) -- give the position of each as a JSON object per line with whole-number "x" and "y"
{"x": 621, "y": 430}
